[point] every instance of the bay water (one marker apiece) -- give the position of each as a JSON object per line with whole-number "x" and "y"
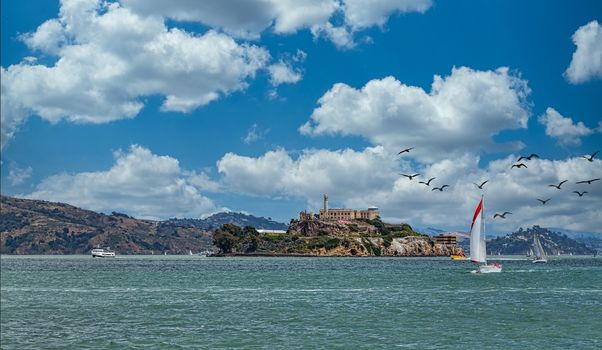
{"x": 194, "y": 302}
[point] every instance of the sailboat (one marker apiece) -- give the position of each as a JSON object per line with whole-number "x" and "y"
{"x": 540, "y": 254}
{"x": 478, "y": 251}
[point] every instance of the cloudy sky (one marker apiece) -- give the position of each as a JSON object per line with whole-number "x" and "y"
{"x": 184, "y": 108}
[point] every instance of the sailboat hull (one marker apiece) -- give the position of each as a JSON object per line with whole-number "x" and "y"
{"x": 492, "y": 268}
{"x": 540, "y": 261}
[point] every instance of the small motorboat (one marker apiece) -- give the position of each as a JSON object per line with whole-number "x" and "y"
{"x": 102, "y": 253}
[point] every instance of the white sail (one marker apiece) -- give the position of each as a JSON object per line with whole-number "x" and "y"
{"x": 540, "y": 254}
{"x": 477, "y": 236}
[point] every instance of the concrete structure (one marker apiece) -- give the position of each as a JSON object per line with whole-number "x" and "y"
{"x": 340, "y": 214}
{"x": 444, "y": 238}
{"x": 346, "y": 214}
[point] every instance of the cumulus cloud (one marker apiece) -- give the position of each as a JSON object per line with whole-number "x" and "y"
{"x": 563, "y": 128}
{"x": 460, "y": 114}
{"x": 362, "y": 14}
{"x": 586, "y": 63}
{"x": 248, "y": 19}
{"x": 48, "y": 38}
{"x": 341, "y": 36}
{"x": 13, "y": 113}
{"x": 312, "y": 173}
{"x": 97, "y": 79}
{"x": 242, "y": 18}
{"x": 282, "y": 73}
{"x": 140, "y": 183}
{"x": 359, "y": 179}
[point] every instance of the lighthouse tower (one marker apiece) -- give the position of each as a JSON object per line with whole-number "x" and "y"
{"x": 325, "y": 204}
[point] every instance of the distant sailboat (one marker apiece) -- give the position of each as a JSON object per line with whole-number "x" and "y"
{"x": 190, "y": 252}
{"x": 540, "y": 255}
{"x": 478, "y": 249}
{"x": 530, "y": 253}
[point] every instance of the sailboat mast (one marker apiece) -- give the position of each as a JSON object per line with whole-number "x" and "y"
{"x": 483, "y": 243}
{"x": 483, "y": 217}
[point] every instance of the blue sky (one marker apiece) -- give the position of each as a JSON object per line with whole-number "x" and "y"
{"x": 245, "y": 150}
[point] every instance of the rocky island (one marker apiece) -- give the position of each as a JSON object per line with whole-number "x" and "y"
{"x": 321, "y": 237}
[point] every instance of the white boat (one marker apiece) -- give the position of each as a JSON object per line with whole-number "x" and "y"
{"x": 102, "y": 253}
{"x": 190, "y": 252}
{"x": 539, "y": 254}
{"x": 478, "y": 249}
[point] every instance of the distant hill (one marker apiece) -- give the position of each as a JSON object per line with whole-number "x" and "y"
{"x": 521, "y": 241}
{"x": 40, "y": 227}
{"x": 239, "y": 219}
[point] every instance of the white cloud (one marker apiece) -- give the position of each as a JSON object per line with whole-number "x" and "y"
{"x": 140, "y": 183}
{"x": 255, "y": 133}
{"x": 249, "y": 18}
{"x": 461, "y": 113}
{"x": 342, "y": 37}
{"x": 563, "y": 128}
{"x": 242, "y": 18}
{"x": 370, "y": 177}
{"x": 362, "y": 14}
{"x": 282, "y": 73}
{"x": 13, "y": 114}
{"x": 97, "y": 78}
{"x": 314, "y": 172}
{"x": 48, "y": 38}
{"x": 18, "y": 175}
{"x": 586, "y": 63}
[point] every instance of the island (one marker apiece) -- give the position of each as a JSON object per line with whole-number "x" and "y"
{"x": 333, "y": 232}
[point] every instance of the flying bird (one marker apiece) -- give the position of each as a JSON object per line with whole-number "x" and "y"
{"x": 503, "y": 216}
{"x": 428, "y": 183}
{"x": 589, "y": 182}
{"x": 580, "y": 193}
{"x": 527, "y": 158}
{"x": 543, "y": 201}
{"x": 410, "y": 176}
{"x": 405, "y": 150}
{"x": 481, "y": 185}
{"x": 560, "y": 184}
{"x": 440, "y": 188}
{"x": 519, "y": 165}
{"x": 591, "y": 158}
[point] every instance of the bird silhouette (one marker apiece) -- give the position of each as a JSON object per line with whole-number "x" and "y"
{"x": 428, "y": 183}
{"x": 580, "y": 193}
{"x": 410, "y": 176}
{"x": 519, "y": 165}
{"x": 405, "y": 150}
{"x": 560, "y": 184}
{"x": 589, "y": 182}
{"x": 503, "y": 216}
{"x": 481, "y": 185}
{"x": 591, "y": 158}
{"x": 527, "y": 158}
{"x": 543, "y": 201}
{"x": 440, "y": 188}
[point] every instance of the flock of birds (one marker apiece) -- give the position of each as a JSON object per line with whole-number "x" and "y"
{"x": 518, "y": 165}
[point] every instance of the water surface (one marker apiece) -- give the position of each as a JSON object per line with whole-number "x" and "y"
{"x": 140, "y": 302}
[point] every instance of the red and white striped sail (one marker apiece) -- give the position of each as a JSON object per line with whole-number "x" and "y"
{"x": 477, "y": 236}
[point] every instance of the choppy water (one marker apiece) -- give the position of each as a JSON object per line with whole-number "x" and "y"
{"x": 285, "y": 303}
